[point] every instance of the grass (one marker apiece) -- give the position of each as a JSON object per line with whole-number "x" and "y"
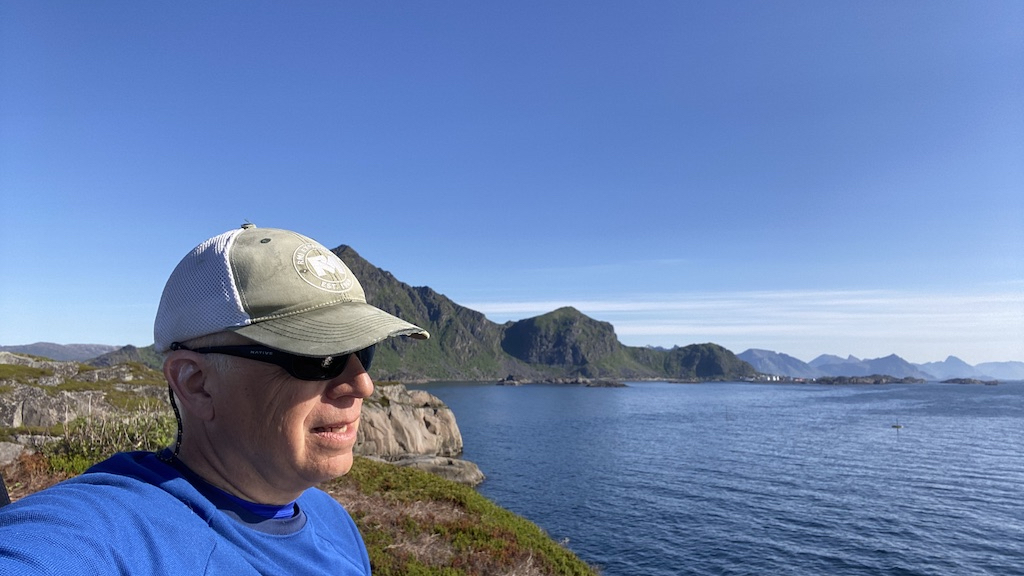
{"x": 22, "y": 374}
{"x": 9, "y": 434}
{"x": 416, "y": 523}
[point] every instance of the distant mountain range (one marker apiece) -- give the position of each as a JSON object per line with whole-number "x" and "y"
{"x": 768, "y": 362}
{"x": 563, "y": 344}
{"x": 62, "y": 352}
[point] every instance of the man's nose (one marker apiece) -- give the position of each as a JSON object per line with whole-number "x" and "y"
{"x": 354, "y": 381}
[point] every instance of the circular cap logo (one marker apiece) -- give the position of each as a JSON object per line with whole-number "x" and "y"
{"x": 322, "y": 269}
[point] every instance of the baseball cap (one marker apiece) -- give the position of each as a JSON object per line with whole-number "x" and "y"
{"x": 276, "y": 287}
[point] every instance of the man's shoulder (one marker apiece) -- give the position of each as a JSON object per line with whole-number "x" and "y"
{"x": 109, "y": 516}
{"x": 116, "y": 490}
{"x": 325, "y": 512}
{"x": 140, "y": 465}
{"x": 320, "y": 501}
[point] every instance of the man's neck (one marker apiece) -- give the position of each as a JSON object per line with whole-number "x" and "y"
{"x": 235, "y": 479}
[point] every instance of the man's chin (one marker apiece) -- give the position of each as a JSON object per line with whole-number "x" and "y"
{"x": 338, "y": 466}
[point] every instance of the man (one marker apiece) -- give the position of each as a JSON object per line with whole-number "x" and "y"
{"x": 267, "y": 336}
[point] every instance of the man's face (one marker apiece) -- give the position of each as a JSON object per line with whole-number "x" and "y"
{"x": 272, "y": 429}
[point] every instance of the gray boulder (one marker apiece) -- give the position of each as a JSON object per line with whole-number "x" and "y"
{"x": 414, "y": 428}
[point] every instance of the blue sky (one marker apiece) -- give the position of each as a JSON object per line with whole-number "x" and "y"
{"x": 804, "y": 177}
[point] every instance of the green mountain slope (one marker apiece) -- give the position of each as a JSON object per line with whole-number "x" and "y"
{"x": 565, "y": 343}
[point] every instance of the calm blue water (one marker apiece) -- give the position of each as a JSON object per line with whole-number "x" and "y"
{"x": 730, "y": 479}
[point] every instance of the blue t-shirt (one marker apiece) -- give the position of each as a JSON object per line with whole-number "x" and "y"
{"x": 136, "y": 514}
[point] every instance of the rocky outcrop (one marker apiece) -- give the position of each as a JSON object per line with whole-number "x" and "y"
{"x": 55, "y": 373}
{"x": 454, "y": 469}
{"x": 414, "y": 428}
{"x": 35, "y": 400}
{"x": 28, "y": 406}
{"x": 9, "y": 452}
{"x": 39, "y": 396}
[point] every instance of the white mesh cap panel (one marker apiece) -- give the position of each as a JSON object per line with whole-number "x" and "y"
{"x": 200, "y": 296}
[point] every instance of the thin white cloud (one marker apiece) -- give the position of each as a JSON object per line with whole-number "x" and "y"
{"x": 787, "y": 302}
{"x": 986, "y": 326}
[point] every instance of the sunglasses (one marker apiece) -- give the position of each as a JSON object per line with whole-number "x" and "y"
{"x": 301, "y": 367}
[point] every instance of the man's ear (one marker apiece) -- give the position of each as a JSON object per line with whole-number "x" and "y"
{"x": 184, "y": 371}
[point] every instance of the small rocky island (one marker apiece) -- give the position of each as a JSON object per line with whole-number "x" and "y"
{"x": 512, "y": 380}
{"x": 873, "y": 379}
{"x": 971, "y": 381}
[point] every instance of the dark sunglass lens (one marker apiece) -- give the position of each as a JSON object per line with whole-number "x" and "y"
{"x": 366, "y": 356}
{"x": 305, "y": 368}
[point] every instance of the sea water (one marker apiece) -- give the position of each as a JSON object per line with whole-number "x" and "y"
{"x": 739, "y": 478}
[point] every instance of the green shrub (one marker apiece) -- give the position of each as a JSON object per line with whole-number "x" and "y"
{"x": 86, "y": 441}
